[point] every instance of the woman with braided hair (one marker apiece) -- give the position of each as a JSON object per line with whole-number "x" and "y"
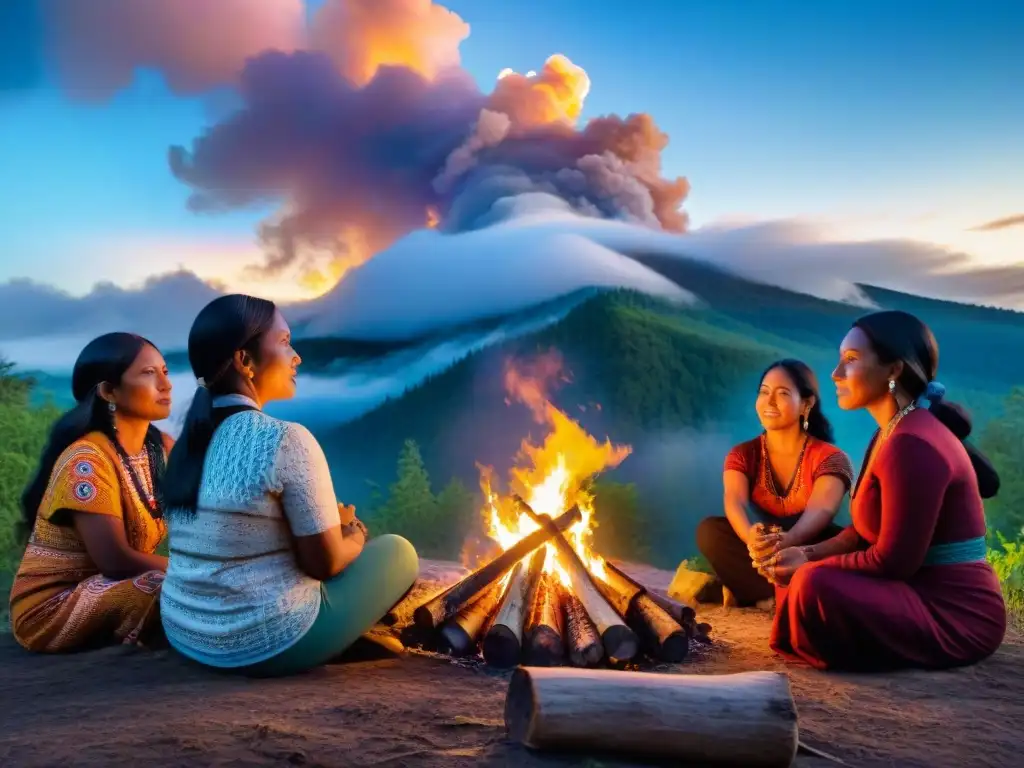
{"x": 90, "y": 576}
{"x": 907, "y": 585}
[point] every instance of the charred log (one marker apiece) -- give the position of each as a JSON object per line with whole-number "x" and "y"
{"x": 627, "y": 585}
{"x": 661, "y": 635}
{"x": 544, "y": 645}
{"x": 458, "y": 635}
{"x": 582, "y": 638}
{"x": 503, "y": 642}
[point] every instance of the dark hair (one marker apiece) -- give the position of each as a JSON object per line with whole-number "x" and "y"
{"x": 900, "y": 336}
{"x": 223, "y": 327}
{"x": 104, "y": 359}
{"x": 806, "y": 382}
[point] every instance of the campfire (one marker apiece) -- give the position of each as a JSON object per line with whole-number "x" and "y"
{"x": 546, "y": 598}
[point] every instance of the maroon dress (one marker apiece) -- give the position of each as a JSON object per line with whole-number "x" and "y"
{"x": 883, "y": 607}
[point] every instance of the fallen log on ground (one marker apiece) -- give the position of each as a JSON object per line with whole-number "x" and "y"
{"x": 543, "y": 634}
{"x": 620, "y": 642}
{"x": 746, "y": 719}
{"x": 503, "y": 643}
{"x": 458, "y": 635}
{"x": 581, "y": 637}
{"x": 441, "y": 608}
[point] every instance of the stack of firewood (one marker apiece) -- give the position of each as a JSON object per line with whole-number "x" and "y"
{"x": 518, "y": 614}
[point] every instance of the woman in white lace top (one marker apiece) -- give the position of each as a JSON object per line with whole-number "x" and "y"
{"x": 267, "y": 573}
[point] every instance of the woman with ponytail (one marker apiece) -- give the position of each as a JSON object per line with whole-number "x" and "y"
{"x": 907, "y": 585}
{"x": 268, "y": 573}
{"x": 791, "y": 476}
{"x": 89, "y": 576}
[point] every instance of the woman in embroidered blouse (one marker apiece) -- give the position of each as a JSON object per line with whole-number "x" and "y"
{"x": 790, "y": 476}
{"x": 907, "y": 585}
{"x": 268, "y": 574}
{"x": 89, "y": 576}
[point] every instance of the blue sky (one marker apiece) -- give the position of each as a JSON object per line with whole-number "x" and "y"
{"x": 885, "y": 119}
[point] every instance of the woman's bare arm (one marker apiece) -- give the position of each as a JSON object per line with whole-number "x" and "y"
{"x": 322, "y": 556}
{"x": 736, "y": 501}
{"x": 826, "y": 495}
{"x": 108, "y": 547}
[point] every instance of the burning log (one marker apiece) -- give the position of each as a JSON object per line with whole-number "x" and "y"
{"x": 585, "y": 649}
{"x": 458, "y": 635}
{"x": 661, "y": 635}
{"x": 543, "y": 631}
{"x": 504, "y": 640}
{"x": 689, "y": 719}
{"x": 441, "y": 608}
{"x": 622, "y": 582}
{"x": 620, "y": 642}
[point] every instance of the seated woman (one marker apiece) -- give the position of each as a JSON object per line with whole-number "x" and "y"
{"x": 89, "y": 576}
{"x": 267, "y": 575}
{"x": 791, "y": 476}
{"x": 907, "y": 585}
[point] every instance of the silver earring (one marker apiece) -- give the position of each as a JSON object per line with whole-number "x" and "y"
{"x": 892, "y": 387}
{"x": 806, "y": 424}
{"x": 111, "y": 407}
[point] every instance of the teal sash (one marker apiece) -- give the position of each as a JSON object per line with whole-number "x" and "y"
{"x": 957, "y": 552}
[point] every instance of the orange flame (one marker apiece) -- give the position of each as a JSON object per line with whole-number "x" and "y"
{"x": 550, "y": 477}
{"x": 433, "y": 217}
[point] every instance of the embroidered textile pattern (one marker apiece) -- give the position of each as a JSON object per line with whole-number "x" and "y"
{"x": 59, "y": 600}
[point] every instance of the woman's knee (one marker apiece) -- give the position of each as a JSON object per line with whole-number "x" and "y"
{"x": 400, "y": 554}
{"x": 811, "y": 583}
{"x": 710, "y": 532}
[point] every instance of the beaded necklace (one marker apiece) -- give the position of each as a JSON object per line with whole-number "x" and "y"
{"x": 769, "y": 479}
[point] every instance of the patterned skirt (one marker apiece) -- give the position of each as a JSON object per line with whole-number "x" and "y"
{"x": 96, "y": 612}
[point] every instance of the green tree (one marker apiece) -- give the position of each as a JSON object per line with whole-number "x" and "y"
{"x": 456, "y": 507}
{"x": 23, "y": 431}
{"x": 1003, "y": 442}
{"x": 435, "y": 525}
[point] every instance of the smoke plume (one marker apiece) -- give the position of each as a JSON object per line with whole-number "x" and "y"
{"x": 361, "y": 36}
{"x": 97, "y": 46}
{"x": 376, "y": 128}
{"x": 358, "y": 120}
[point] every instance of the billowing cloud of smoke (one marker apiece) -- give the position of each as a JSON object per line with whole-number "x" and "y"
{"x": 361, "y": 36}
{"x": 97, "y": 46}
{"x": 376, "y": 128}
{"x": 361, "y": 123}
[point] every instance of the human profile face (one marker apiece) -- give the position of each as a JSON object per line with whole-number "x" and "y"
{"x": 779, "y": 405}
{"x": 144, "y": 392}
{"x": 276, "y": 365}
{"x": 861, "y": 379}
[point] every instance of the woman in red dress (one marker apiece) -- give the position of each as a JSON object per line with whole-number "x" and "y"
{"x": 907, "y": 585}
{"x": 791, "y": 476}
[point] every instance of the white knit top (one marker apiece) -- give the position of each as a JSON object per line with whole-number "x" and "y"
{"x": 234, "y": 594}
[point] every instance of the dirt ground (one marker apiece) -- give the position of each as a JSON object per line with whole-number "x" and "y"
{"x": 128, "y": 707}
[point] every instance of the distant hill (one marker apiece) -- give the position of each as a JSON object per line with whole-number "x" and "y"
{"x": 655, "y": 369}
